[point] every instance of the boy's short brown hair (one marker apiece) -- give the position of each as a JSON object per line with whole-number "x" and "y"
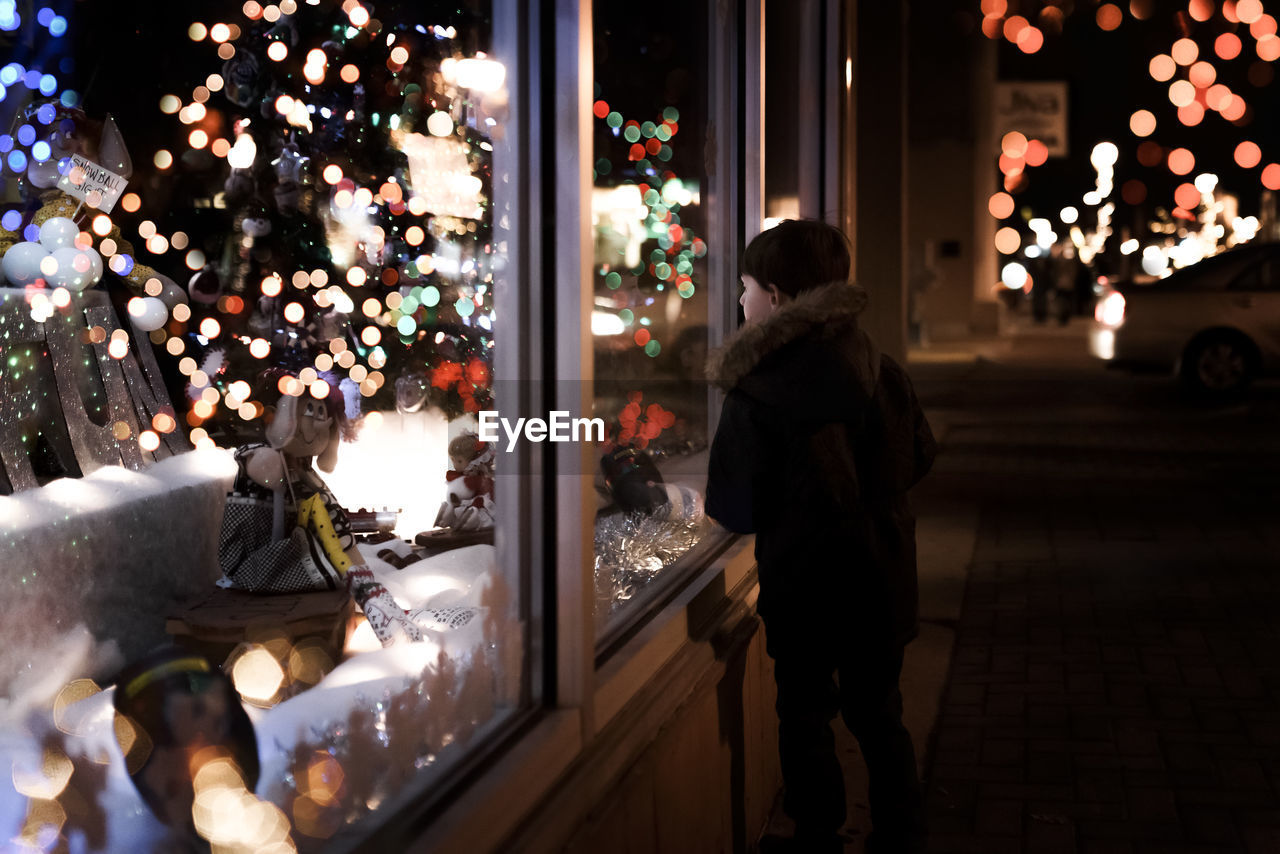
{"x": 797, "y": 255}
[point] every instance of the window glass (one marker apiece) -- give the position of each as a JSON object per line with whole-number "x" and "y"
{"x": 649, "y": 315}
{"x": 284, "y": 214}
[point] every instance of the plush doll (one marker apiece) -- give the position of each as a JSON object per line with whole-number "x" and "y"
{"x": 307, "y": 542}
{"x": 469, "y": 505}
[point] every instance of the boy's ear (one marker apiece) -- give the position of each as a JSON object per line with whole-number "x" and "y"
{"x": 775, "y": 295}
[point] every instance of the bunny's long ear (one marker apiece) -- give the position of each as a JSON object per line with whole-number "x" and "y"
{"x": 285, "y": 423}
{"x": 328, "y": 458}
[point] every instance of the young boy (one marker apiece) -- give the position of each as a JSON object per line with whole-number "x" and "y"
{"x": 819, "y": 440}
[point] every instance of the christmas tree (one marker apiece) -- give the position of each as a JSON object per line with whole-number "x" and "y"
{"x": 336, "y": 166}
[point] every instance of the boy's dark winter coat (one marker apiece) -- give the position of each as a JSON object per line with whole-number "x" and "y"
{"x": 820, "y": 438}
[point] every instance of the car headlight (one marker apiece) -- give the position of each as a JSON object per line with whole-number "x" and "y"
{"x": 1110, "y": 309}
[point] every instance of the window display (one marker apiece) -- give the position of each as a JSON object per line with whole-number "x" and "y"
{"x": 649, "y": 318}
{"x": 265, "y": 231}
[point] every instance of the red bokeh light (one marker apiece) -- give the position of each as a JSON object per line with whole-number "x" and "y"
{"x": 1037, "y": 153}
{"x": 1248, "y": 11}
{"x": 1227, "y": 46}
{"x": 1030, "y": 39}
{"x": 1271, "y": 176}
{"x": 1134, "y": 192}
{"x": 1013, "y": 26}
{"x": 1248, "y": 154}
{"x": 1181, "y": 162}
{"x": 1000, "y": 205}
{"x": 1150, "y": 154}
{"x": 1192, "y": 114}
{"x": 1109, "y": 16}
{"x": 1187, "y": 196}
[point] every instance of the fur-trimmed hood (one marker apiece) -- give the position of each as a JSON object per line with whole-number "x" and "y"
{"x": 809, "y": 349}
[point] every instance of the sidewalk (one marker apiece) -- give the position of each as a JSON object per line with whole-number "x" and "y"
{"x": 1115, "y": 672}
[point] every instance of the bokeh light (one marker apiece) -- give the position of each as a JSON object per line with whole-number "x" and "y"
{"x": 1142, "y": 123}
{"x": 1227, "y": 46}
{"x": 1271, "y": 176}
{"x": 1248, "y": 11}
{"x": 1133, "y": 192}
{"x": 1000, "y": 205}
{"x": 1181, "y": 161}
{"x": 1030, "y": 39}
{"x": 1037, "y": 153}
{"x": 1184, "y": 51}
{"x": 1007, "y": 240}
{"x": 1187, "y": 196}
{"x": 1181, "y": 93}
{"x": 1109, "y": 16}
{"x": 1248, "y": 154}
{"x": 1200, "y": 10}
{"x": 1014, "y": 144}
{"x": 1202, "y": 74}
{"x": 1162, "y": 67}
{"x": 1013, "y": 26}
{"x": 1192, "y": 114}
{"x": 1269, "y": 48}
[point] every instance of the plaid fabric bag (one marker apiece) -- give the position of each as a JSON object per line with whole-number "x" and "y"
{"x": 253, "y": 560}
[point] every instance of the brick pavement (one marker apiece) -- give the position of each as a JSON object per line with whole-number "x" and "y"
{"x": 1117, "y": 663}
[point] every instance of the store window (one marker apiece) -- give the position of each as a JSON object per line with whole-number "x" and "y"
{"x": 271, "y": 229}
{"x": 650, "y": 309}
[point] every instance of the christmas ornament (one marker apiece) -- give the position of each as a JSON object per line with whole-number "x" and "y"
{"x": 205, "y": 285}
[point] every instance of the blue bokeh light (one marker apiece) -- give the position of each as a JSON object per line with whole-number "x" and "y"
{"x": 70, "y": 98}
{"x": 6, "y": 142}
{"x": 31, "y": 233}
{"x": 48, "y": 84}
{"x": 126, "y": 265}
{"x": 3, "y": 91}
{"x": 31, "y": 79}
{"x": 44, "y": 16}
{"x": 10, "y": 73}
{"x": 46, "y": 114}
{"x": 58, "y": 26}
{"x": 11, "y": 220}
{"x": 26, "y": 135}
{"x": 17, "y": 161}
{"x": 41, "y": 151}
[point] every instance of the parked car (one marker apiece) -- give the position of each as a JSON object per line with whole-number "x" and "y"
{"x": 1214, "y": 324}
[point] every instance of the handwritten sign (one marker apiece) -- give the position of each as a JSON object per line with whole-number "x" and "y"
{"x": 1036, "y": 109}
{"x": 96, "y": 186}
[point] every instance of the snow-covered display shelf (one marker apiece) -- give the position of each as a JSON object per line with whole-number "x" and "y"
{"x": 104, "y": 556}
{"x": 378, "y": 719}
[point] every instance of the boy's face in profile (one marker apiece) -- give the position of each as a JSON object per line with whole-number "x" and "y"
{"x": 758, "y": 301}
